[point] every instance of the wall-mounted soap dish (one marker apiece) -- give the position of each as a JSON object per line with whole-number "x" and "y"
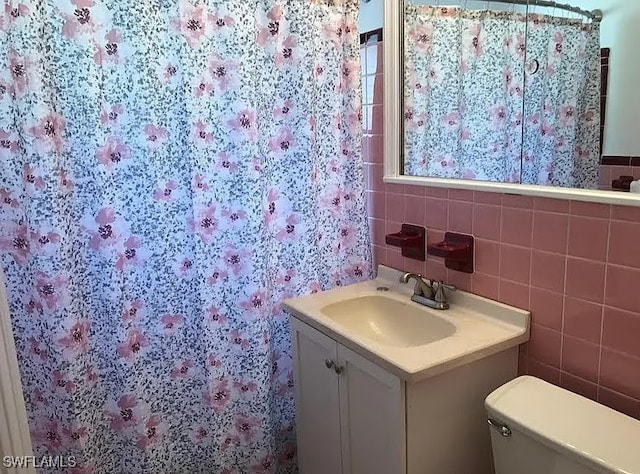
{"x": 411, "y": 239}
{"x": 457, "y": 251}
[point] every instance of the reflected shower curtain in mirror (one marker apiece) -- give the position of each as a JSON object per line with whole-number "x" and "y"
{"x": 463, "y": 93}
{"x": 562, "y": 103}
{"x": 169, "y": 173}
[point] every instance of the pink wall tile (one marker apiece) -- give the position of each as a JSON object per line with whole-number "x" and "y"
{"x": 590, "y": 209}
{"x": 545, "y": 345}
{"x": 460, "y": 195}
{"x": 583, "y": 319}
{"x": 395, "y": 259}
{"x": 552, "y": 205}
{"x": 486, "y": 221}
{"x": 550, "y": 231}
{"x": 414, "y": 190}
{"x": 441, "y": 193}
{"x": 621, "y": 331}
{"x": 436, "y": 270}
{"x": 548, "y": 271}
{"x": 414, "y": 210}
{"x": 623, "y": 286}
{"x": 462, "y": 281}
{"x": 487, "y": 198}
{"x": 460, "y": 217}
{"x": 618, "y": 171}
{"x": 546, "y": 308}
{"x": 585, "y": 279}
{"x": 436, "y": 213}
{"x": 517, "y": 226}
{"x": 486, "y": 285}
{"x": 394, "y": 188}
{"x": 626, "y": 213}
{"x": 580, "y": 358}
{"x": 515, "y": 294}
{"x": 487, "y": 257}
{"x": 605, "y": 177}
{"x": 413, "y": 266}
{"x": 588, "y": 237}
{"x": 515, "y": 263}
{"x": 395, "y": 206}
{"x": 624, "y": 245}
{"x": 515, "y": 200}
{"x": 620, "y": 372}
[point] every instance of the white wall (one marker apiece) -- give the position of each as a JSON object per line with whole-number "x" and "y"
{"x": 371, "y": 15}
{"x": 621, "y": 33}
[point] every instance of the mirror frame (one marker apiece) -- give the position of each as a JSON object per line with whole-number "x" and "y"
{"x": 393, "y": 86}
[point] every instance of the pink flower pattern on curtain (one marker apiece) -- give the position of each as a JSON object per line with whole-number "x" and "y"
{"x": 170, "y": 172}
{"x": 464, "y": 87}
{"x": 501, "y": 96}
{"x": 562, "y": 104}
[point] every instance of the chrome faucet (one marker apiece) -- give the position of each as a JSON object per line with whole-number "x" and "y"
{"x": 422, "y": 288}
{"x": 424, "y": 292}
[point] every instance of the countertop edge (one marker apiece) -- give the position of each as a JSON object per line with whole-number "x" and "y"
{"x": 409, "y": 377}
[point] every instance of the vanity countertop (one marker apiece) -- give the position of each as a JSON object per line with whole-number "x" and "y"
{"x": 482, "y": 327}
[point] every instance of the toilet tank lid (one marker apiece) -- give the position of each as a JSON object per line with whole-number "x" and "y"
{"x": 568, "y": 422}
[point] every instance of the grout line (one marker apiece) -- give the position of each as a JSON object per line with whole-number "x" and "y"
{"x": 564, "y": 286}
{"x": 604, "y": 298}
{"x": 625, "y": 354}
{"x": 500, "y": 243}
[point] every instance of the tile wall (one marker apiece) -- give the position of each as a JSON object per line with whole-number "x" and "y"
{"x": 575, "y": 265}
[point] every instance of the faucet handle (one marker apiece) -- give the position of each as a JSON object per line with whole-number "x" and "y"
{"x": 441, "y": 296}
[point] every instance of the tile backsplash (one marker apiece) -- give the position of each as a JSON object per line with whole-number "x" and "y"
{"x": 575, "y": 265}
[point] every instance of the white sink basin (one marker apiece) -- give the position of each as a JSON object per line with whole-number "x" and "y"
{"x": 411, "y": 341}
{"x": 389, "y": 321}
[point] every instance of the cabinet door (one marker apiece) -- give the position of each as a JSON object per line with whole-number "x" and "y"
{"x": 372, "y": 410}
{"x": 317, "y": 401}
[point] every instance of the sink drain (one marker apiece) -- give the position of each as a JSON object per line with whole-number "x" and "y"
{"x": 382, "y": 288}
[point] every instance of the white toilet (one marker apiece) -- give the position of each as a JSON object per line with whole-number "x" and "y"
{"x": 538, "y": 428}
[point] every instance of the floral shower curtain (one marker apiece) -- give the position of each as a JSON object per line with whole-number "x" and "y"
{"x": 471, "y": 113}
{"x": 562, "y": 104}
{"x": 169, "y": 173}
{"x": 464, "y": 86}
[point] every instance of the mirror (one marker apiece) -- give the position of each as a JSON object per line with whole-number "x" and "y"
{"x": 501, "y": 91}
{"x": 619, "y": 99}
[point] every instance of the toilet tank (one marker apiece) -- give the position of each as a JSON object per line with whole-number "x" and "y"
{"x": 539, "y": 428}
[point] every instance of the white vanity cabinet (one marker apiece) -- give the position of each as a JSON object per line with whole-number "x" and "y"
{"x": 354, "y": 417}
{"x": 350, "y": 413}
{"x": 386, "y": 386}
